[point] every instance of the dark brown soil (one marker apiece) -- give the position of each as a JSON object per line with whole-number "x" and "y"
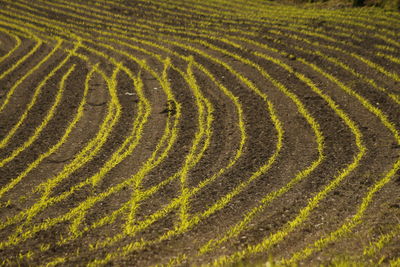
{"x": 152, "y": 151}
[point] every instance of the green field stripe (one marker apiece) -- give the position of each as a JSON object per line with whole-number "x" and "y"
{"x": 126, "y": 149}
{"x": 18, "y": 17}
{"x": 81, "y": 158}
{"x": 356, "y": 219}
{"x": 298, "y": 14}
{"x": 269, "y": 16}
{"x": 385, "y": 48}
{"x": 269, "y": 105}
{"x": 205, "y": 129}
{"x": 22, "y": 60}
{"x": 78, "y": 13}
{"x": 29, "y": 73}
{"x": 224, "y": 200}
{"x": 49, "y": 25}
{"x": 313, "y": 203}
{"x": 13, "y": 20}
{"x": 333, "y": 40}
{"x": 368, "y": 198}
{"x": 384, "y": 239}
{"x": 133, "y": 139}
{"x": 170, "y": 97}
{"x": 114, "y": 25}
{"x": 352, "y": 222}
{"x": 371, "y": 81}
{"x": 79, "y": 9}
{"x": 135, "y": 200}
{"x": 18, "y": 43}
{"x": 161, "y": 213}
{"x": 381, "y": 69}
{"x": 93, "y": 147}
{"x": 174, "y": 261}
{"x": 120, "y": 16}
{"x": 94, "y": 199}
{"x": 63, "y": 139}
{"x": 48, "y": 116}
{"x": 36, "y": 94}
{"x": 337, "y": 27}
{"x": 391, "y": 95}
{"x": 335, "y": 16}
{"x": 336, "y": 48}
{"x": 46, "y": 187}
{"x": 225, "y": 91}
{"x": 395, "y": 262}
{"x": 240, "y": 226}
{"x": 277, "y": 123}
{"x": 143, "y": 32}
{"x": 168, "y": 139}
{"x": 389, "y": 57}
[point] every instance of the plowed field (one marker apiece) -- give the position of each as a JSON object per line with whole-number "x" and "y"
{"x": 179, "y": 133}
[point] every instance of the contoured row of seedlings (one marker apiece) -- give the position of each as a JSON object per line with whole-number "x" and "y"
{"x": 49, "y": 115}
{"x": 212, "y": 78}
{"x": 368, "y": 198}
{"x": 47, "y": 187}
{"x": 356, "y": 219}
{"x": 303, "y": 174}
{"x": 338, "y": 62}
{"x": 11, "y": 90}
{"x": 79, "y": 114}
{"x": 301, "y": 15}
{"x": 150, "y": 162}
{"x": 349, "y": 35}
{"x": 304, "y": 213}
{"x": 326, "y": 37}
{"x": 223, "y": 201}
{"x": 133, "y": 226}
{"x": 128, "y": 249}
{"x": 38, "y": 44}
{"x": 18, "y": 43}
{"x": 382, "y": 241}
{"x": 158, "y": 155}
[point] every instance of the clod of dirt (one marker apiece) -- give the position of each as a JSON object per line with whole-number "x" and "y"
{"x": 170, "y": 108}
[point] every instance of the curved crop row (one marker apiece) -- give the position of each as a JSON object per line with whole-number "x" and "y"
{"x": 226, "y": 131}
